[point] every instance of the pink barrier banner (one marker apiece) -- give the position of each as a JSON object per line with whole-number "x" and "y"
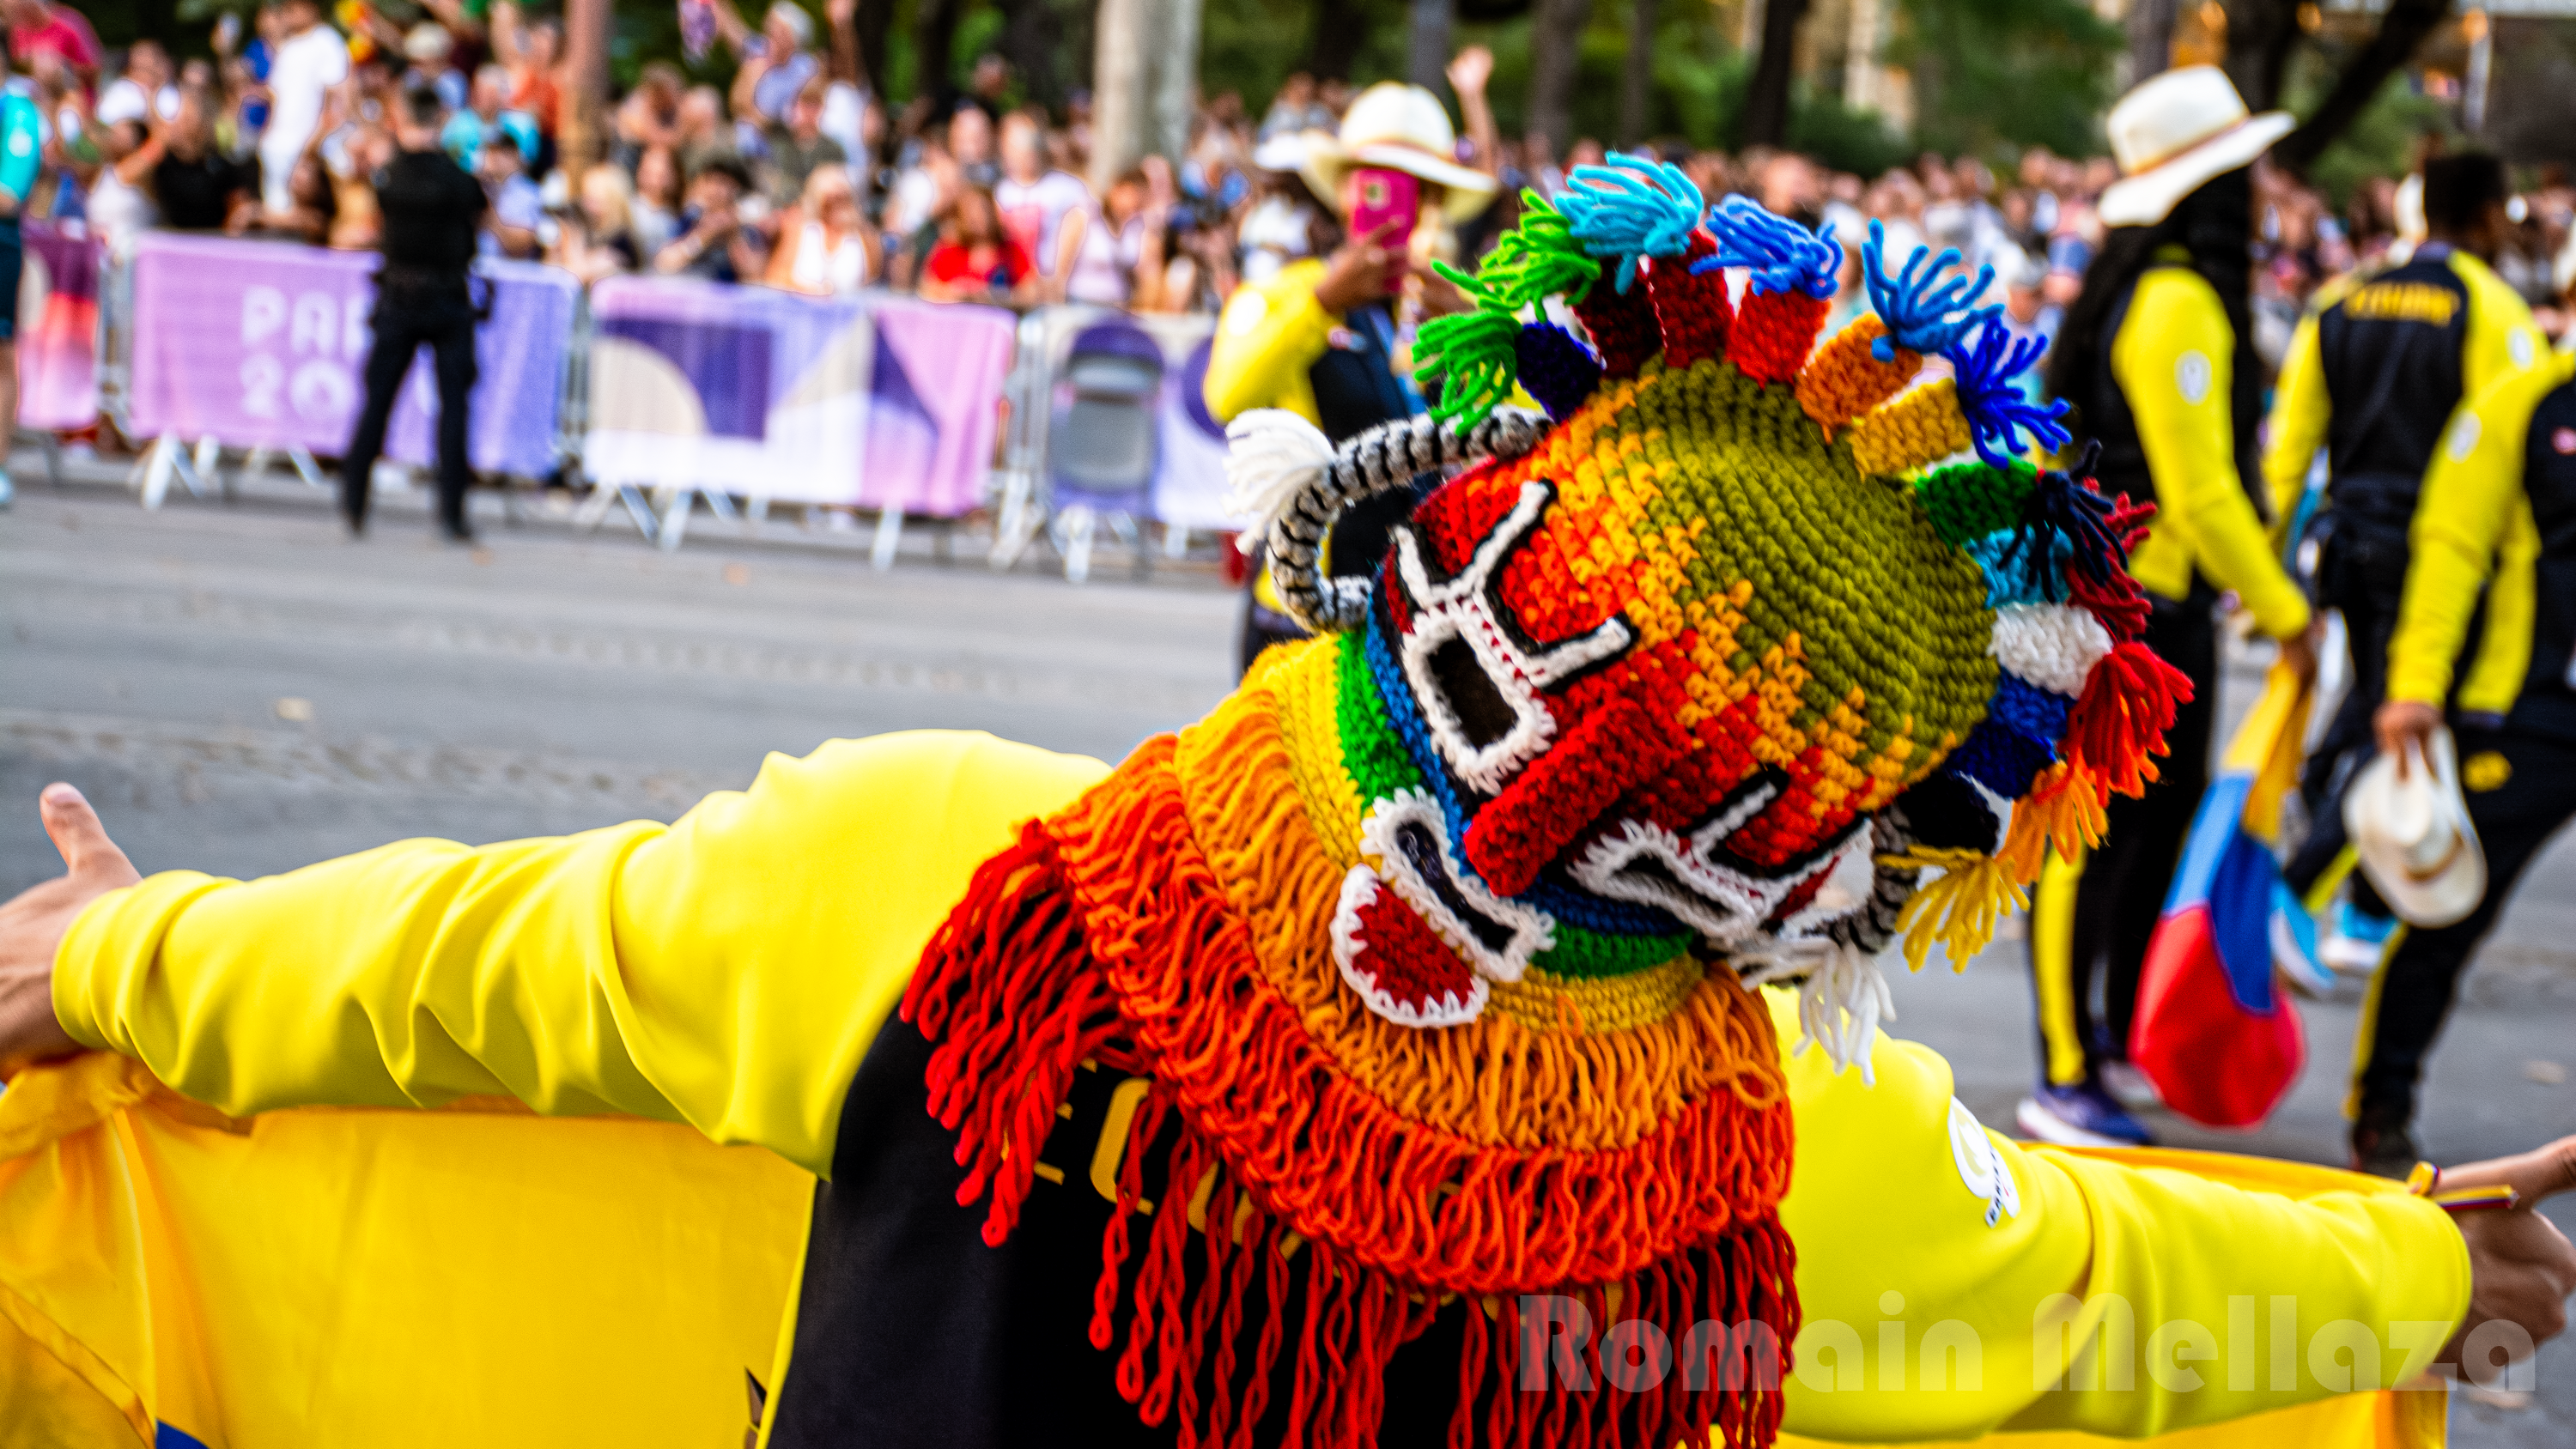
{"x": 264, "y": 344}
{"x": 58, "y": 328}
{"x": 870, "y": 401}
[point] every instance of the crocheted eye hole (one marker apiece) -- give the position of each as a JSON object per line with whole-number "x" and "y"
{"x": 1469, "y": 694}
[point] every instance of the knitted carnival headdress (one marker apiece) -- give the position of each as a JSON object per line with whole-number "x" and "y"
{"x": 1428, "y": 949}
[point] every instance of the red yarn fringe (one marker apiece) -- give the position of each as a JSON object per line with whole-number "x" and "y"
{"x": 1106, "y": 936}
{"x": 2120, "y": 605}
{"x": 1774, "y": 332}
{"x": 1691, "y": 312}
{"x": 2120, "y": 721}
{"x": 1622, "y": 324}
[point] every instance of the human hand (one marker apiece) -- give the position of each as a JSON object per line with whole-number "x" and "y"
{"x": 32, "y": 927}
{"x": 2402, "y": 724}
{"x": 1469, "y": 72}
{"x": 1363, "y": 270}
{"x": 2299, "y": 651}
{"x": 840, "y": 12}
{"x": 1438, "y": 296}
{"x": 2521, "y": 1268}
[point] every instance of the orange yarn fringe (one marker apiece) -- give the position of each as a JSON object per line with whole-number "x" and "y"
{"x": 1104, "y": 934}
{"x": 2064, "y": 811}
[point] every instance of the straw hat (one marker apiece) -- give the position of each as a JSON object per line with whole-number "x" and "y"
{"x": 1401, "y": 128}
{"x": 2176, "y": 131}
{"x": 2414, "y": 837}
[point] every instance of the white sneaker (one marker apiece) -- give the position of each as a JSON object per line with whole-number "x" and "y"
{"x": 2129, "y": 1087}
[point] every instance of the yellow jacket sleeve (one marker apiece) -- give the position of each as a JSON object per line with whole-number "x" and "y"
{"x": 2174, "y": 360}
{"x": 727, "y": 971}
{"x": 2296, "y": 427}
{"x": 2472, "y": 511}
{"x": 1956, "y": 1284}
{"x": 1266, "y": 339}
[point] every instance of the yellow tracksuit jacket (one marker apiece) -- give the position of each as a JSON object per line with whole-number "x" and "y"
{"x": 254, "y": 1269}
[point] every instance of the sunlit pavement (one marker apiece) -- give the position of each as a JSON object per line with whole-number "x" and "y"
{"x": 242, "y": 690}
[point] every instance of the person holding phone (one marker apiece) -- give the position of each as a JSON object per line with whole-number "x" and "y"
{"x": 1320, "y": 338}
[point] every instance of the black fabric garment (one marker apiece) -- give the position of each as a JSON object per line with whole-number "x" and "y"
{"x": 1355, "y": 390}
{"x": 2389, "y": 352}
{"x": 910, "y": 1331}
{"x": 2122, "y": 890}
{"x": 2419, "y": 979}
{"x": 2546, "y": 706}
{"x": 431, "y": 210}
{"x": 406, "y": 319}
{"x": 198, "y": 195}
{"x": 2361, "y": 572}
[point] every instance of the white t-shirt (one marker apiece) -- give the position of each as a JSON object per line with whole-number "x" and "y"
{"x": 1104, "y": 270}
{"x": 123, "y": 101}
{"x": 1033, "y": 212}
{"x": 303, "y": 68}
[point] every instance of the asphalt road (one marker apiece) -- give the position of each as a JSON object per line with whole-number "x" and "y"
{"x": 242, "y": 691}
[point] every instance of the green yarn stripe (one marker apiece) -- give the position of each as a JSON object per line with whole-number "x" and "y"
{"x": 1967, "y": 501}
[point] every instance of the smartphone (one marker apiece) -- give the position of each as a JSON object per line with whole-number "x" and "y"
{"x": 1384, "y": 196}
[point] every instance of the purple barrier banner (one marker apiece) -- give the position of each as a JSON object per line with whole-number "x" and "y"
{"x": 264, "y": 344}
{"x": 58, "y": 328}
{"x": 870, "y": 401}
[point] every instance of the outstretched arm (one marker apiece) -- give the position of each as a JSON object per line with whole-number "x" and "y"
{"x": 728, "y": 971}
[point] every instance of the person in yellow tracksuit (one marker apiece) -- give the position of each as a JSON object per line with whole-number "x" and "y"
{"x": 2485, "y": 636}
{"x": 1322, "y": 338}
{"x": 732, "y": 970}
{"x": 2157, "y": 358}
{"x": 2372, "y": 377}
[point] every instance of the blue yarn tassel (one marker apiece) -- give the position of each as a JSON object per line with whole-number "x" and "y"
{"x": 1920, "y": 315}
{"x": 1631, "y": 208}
{"x": 1992, "y": 401}
{"x": 1780, "y": 253}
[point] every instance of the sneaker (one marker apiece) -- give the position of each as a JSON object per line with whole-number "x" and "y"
{"x": 2079, "y": 1116}
{"x": 2383, "y": 1146}
{"x": 2357, "y": 941}
{"x": 2129, "y": 1086}
{"x": 2294, "y": 945}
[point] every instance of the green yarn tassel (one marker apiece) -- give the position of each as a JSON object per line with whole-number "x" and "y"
{"x": 1539, "y": 257}
{"x": 1473, "y": 350}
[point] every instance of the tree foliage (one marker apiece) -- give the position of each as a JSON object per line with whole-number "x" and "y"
{"x": 1992, "y": 75}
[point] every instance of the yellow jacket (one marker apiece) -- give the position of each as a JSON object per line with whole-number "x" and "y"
{"x": 1268, "y": 336}
{"x": 2174, "y": 360}
{"x": 728, "y": 972}
{"x": 2473, "y": 530}
{"x": 2501, "y": 339}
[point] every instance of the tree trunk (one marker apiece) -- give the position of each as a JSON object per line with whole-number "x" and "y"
{"x": 874, "y": 22}
{"x": 1766, "y": 101}
{"x": 1120, "y": 102}
{"x": 1427, "y": 45}
{"x": 2401, "y": 30}
{"x": 1556, "y": 48}
{"x": 2260, "y": 36}
{"x": 1341, "y": 29}
{"x": 2151, "y": 26}
{"x": 1637, "y": 89}
{"x": 934, "y": 45}
{"x": 586, "y": 27}
{"x": 1032, "y": 31}
{"x": 1176, "y": 74}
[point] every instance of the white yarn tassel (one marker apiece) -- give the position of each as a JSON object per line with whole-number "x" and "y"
{"x": 1840, "y": 1006}
{"x": 1274, "y": 456}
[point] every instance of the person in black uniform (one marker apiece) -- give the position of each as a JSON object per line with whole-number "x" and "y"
{"x": 432, "y": 210}
{"x": 2372, "y": 376}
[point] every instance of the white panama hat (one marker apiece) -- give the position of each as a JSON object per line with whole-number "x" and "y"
{"x": 2414, "y": 837}
{"x": 1401, "y": 128}
{"x": 2176, "y": 131}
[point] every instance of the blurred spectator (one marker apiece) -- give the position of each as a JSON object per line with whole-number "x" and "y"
{"x": 600, "y": 239}
{"x": 518, "y": 207}
{"x": 975, "y": 260}
{"x": 1121, "y": 256}
{"x": 650, "y": 114}
{"x": 310, "y": 205}
{"x": 776, "y": 64}
{"x": 798, "y": 145}
{"x": 195, "y": 185}
{"x": 825, "y": 245}
{"x": 713, "y": 243}
{"x": 923, "y": 191}
{"x": 1043, "y": 210}
{"x": 311, "y": 58}
{"x": 1284, "y": 224}
{"x": 1789, "y": 184}
{"x": 1295, "y": 109}
{"x": 357, "y": 221}
{"x": 487, "y": 116}
{"x": 970, "y": 145}
{"x": 431, "y": 49}
{"x": 145, "y": 88}
{"x": 531, "y": 53}
{"x": 41, "y": 27}
{"x": 704, "y": 136}
{"x": 655, "y": 206}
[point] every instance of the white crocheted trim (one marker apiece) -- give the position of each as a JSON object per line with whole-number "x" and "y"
{"x": 2053, "y": 646}
{"x": 1532, "y": 930}
{"x": 1718, "y": 901}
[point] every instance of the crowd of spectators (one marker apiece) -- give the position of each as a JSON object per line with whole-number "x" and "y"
{"x": 799, "y": 176}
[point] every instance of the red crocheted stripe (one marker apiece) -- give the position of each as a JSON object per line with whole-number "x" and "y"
{"x": 1691, "y": 311}
{"x": 1563, "y": 791}
{"x": 1773, "y": 334}
{"x": 1622, "y": 325}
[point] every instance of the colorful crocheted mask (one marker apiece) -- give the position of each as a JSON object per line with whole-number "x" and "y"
{"x": 1422, "y": 961}
{"x": 1717, "y": 656}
